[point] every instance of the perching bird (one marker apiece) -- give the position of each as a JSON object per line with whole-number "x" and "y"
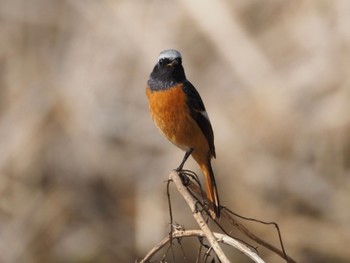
{"x": 178, "y": 111}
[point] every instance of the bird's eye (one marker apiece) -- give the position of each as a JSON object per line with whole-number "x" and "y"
{"x": 161, "y": 62}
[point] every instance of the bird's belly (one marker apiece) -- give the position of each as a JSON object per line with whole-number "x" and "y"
{"x": 171, "y": 115}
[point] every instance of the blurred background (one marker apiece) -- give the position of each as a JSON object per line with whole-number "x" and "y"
{"x": 83, "y": 168}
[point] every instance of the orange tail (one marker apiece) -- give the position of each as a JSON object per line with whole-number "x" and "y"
{"x": 211, "y": 189}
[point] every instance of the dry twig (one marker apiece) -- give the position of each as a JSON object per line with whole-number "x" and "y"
{"x": 174, "y": 176}
{"x": 220, "y": 238}
{"x": 213, "y": 238}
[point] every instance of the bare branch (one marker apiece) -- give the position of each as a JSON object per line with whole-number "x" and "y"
{"x": 226, "y": 213}
{"x": 213, "y": 238}
{"x": 219, "y": 237}
{"x": 174, "y": 176}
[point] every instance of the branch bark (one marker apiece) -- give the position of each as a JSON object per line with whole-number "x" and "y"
{"x": 226, "y": 214}
{"x": 213, "y": 238}
{"x": 174, "y": 176}
{"x": 220, "y": 238}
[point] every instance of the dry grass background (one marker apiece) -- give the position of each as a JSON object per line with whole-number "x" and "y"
{"x": 82, "y": 167}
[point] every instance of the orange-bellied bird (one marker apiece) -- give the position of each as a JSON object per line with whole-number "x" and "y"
{"x": 178, "y": 111}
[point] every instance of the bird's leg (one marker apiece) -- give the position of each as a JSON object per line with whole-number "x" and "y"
{"x": 187, "y": 154}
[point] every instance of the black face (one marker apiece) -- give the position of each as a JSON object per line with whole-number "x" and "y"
{"x": 167, "y": 72}
{"x": 169, "y": 62}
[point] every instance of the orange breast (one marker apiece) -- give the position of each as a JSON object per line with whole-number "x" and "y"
{"x": 170, "y": 113}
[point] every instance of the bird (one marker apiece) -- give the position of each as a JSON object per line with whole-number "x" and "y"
{"x": 179, "y": 113}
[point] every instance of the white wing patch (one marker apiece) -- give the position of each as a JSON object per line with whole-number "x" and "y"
{"x": 205, "y": 114}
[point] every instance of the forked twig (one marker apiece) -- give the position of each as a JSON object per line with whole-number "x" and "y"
{"x": 226, "y": 213}
{"x": 174, "y": 176}
{"x": 219, "y": 237}
{"x": 189, "y": 189}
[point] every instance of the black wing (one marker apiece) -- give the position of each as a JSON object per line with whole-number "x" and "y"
{"x": 199, "y": 114}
